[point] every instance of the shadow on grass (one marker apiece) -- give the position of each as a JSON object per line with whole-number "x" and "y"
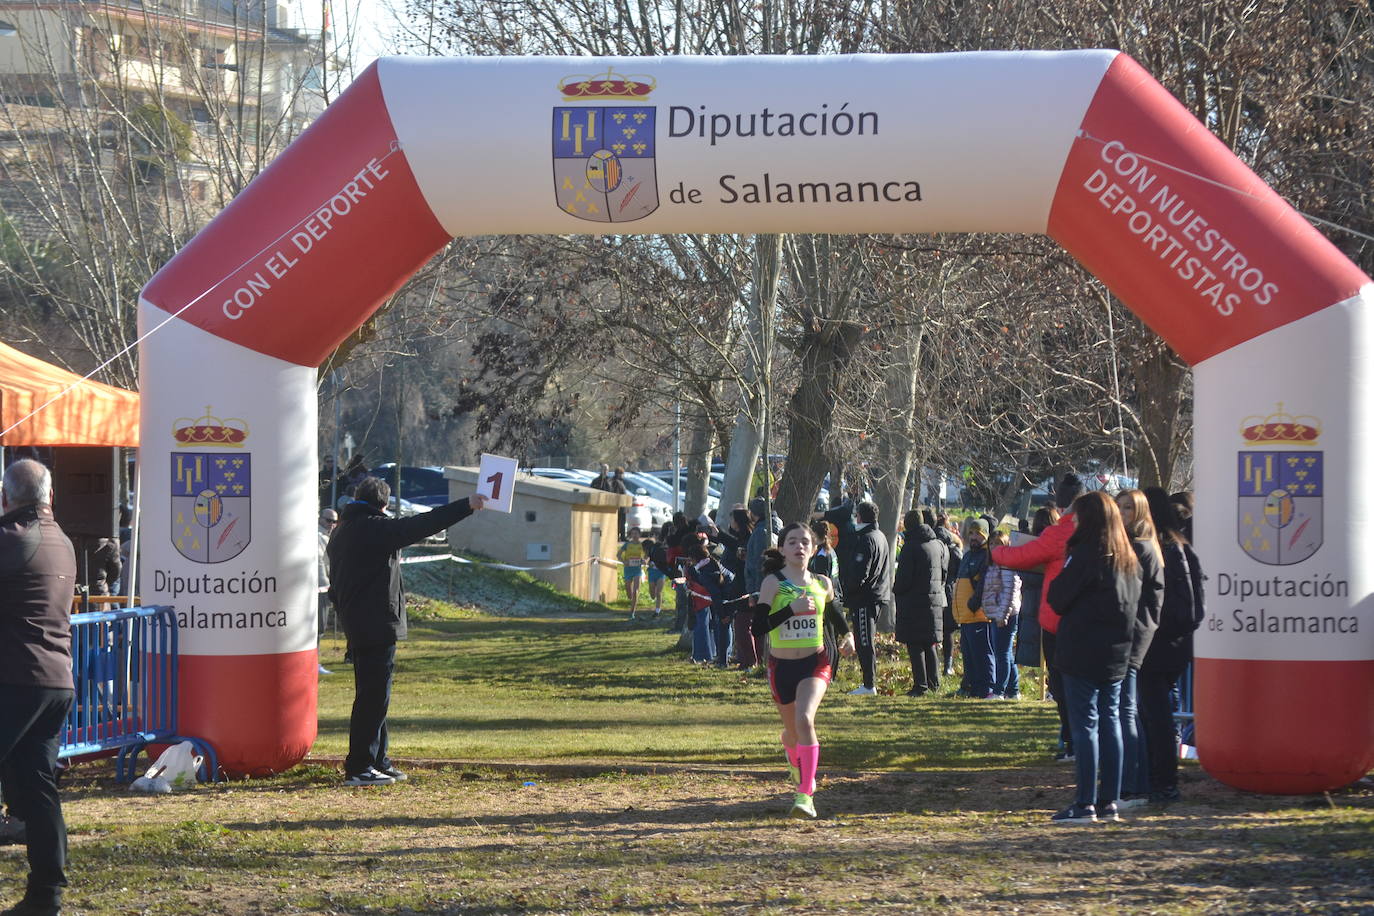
{"x": 916, "y": 834}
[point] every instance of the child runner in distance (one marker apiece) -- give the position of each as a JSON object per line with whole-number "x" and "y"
{"x": 632, "y": 554}
{"x": 795, "y": 607}
{"x": 660, "y": 571}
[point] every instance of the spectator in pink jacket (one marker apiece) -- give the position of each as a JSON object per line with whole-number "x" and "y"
{"x": 1048, "y": 551}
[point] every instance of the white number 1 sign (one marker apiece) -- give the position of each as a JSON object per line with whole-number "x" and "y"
{"x": 496, "y": 481}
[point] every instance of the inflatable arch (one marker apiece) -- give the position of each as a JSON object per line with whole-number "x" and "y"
{"x": 1084, "y": 146}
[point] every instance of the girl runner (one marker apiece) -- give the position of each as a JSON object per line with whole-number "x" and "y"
{"x": 799, "y": 606}
{"x": 632, "y": 554}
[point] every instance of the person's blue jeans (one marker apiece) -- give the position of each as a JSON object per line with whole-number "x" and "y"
{"x": 1135, "y": 762}
{"x": 703, "y": 640}
{"x": 1096, "y": 737}
{"x": 976, "y": 645}
{"x": 1006, "y": 680}
{"x": 720, "y": 629}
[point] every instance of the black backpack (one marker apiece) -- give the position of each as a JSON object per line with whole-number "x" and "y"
{"x": 1183, "y": 608}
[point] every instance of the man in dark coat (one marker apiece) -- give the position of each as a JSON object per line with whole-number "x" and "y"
{"x": 37, "y": 580}
{"x": 867, "y": 589}
{"x": 919, "y": 592}
{"x": 365, "y": 587}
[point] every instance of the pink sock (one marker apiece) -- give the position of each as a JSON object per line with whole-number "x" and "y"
{"x": 791, "y": 751}
{"x": 810, "y": 755}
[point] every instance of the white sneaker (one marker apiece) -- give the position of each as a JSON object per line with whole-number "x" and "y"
{"x": 863, "y": 692}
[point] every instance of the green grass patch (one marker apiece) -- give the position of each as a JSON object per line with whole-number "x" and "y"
{"x": 513, "y": 670}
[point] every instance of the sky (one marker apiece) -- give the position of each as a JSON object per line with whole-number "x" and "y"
{"x": 371, "y": 22}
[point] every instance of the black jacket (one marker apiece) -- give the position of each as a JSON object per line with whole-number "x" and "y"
{"x": 37, "y": 580}
{"x": 956, "y": 556}
{"x": 919, "y": 588}
{"x": 1172, "y": 648}
{"x": 365, "y": 567}
{"x": 1098, "y": 607}
{"x": 1151, "y": 599}
{"x": 868, "y": 580}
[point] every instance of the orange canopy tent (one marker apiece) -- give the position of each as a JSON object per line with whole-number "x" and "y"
{"x": 89, "y": 414}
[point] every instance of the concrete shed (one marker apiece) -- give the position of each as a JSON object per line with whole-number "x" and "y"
{"x": 551, "y": 522}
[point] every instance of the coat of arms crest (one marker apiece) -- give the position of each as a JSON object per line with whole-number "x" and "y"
{"x": 1279, "y": 505}
{"x": 603, "y": 153}
{"x": 211, "y": 491}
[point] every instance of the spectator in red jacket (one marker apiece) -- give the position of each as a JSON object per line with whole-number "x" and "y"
{"x": 1048, "y": 551}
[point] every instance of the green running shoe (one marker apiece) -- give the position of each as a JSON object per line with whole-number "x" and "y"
{"x": 794, "y": 774}
{"x": 802, "y": 806}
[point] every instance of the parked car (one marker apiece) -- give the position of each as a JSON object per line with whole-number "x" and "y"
{"x": 645, "y": 513}
{"x": 571, "y": 475}
{"x": 713, "y": 484}
{"x": 424, "y": 486}
{"x": 660, "y": 490}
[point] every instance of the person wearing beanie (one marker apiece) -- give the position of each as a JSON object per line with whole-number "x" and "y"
{"x": 1048, "y": 551}
{"x": 975, "y": 631}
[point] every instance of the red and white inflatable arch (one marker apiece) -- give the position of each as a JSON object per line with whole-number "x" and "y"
{"x": 1084, "y": 146}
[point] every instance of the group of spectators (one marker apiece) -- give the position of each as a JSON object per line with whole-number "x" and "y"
{"x": 1104, "y": 592}
{"x": 716, "y": 568}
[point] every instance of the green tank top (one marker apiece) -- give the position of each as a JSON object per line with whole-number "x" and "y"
{"x": 800, "y": 631}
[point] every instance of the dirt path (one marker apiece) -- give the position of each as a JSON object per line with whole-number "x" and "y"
{"x": 481, "y": 841}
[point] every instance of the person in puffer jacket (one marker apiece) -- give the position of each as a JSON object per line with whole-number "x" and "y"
{"x": 1002, "y": 604}
{"x": 975, "y": 631}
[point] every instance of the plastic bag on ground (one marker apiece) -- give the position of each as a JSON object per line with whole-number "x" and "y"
{"x": 174, "y": 769}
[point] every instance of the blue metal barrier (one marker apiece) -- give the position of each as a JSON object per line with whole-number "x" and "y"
{"x": 124, "y": 669}
{"x": 1184, "y": 716}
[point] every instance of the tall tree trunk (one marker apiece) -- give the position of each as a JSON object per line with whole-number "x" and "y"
{"x": 825, "y": 352}
{"x": 1161, "y": 382}
{"x": 896, "y": 442}
{"x": 698, "y": 463}
{"x": 744, "y": 455}
{"x": 747, "y": 437}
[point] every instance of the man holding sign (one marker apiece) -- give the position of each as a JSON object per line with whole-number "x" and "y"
{"x": 365, "y": 586}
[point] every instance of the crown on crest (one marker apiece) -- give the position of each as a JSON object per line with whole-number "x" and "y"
{"x": 1280, "y": 428}
{"x": 608, "y": 85}
{"x": 210, "y": 430}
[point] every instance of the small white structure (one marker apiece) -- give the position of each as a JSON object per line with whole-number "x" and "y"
{"x": 551, "y": 523}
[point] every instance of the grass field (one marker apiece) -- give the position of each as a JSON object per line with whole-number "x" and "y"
{"x": 566, "y": 761}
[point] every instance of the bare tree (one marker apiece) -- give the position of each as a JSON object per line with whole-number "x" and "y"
{"x": 123, "y": 128}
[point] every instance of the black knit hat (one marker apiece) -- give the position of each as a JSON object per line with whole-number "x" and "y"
{"x": 1067, "y": 491}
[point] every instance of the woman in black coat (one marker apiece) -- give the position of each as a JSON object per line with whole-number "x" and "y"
{"x": 919, "y": 593}
{"x": 1171, "y": 650}
{"x": 1097, "y": 594}
{"x": 955, "y": 547}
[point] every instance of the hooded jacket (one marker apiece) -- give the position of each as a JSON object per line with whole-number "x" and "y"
{"x": 365, "y": 567}
{"x": 1151, "y": 600}
{"x": 1097, "y": 621}
{"x": 1049, "y": 551}
{"x": 919, "y": 588}
{"x": 868, "y": 581}
{"x": 1182, "y": 611}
